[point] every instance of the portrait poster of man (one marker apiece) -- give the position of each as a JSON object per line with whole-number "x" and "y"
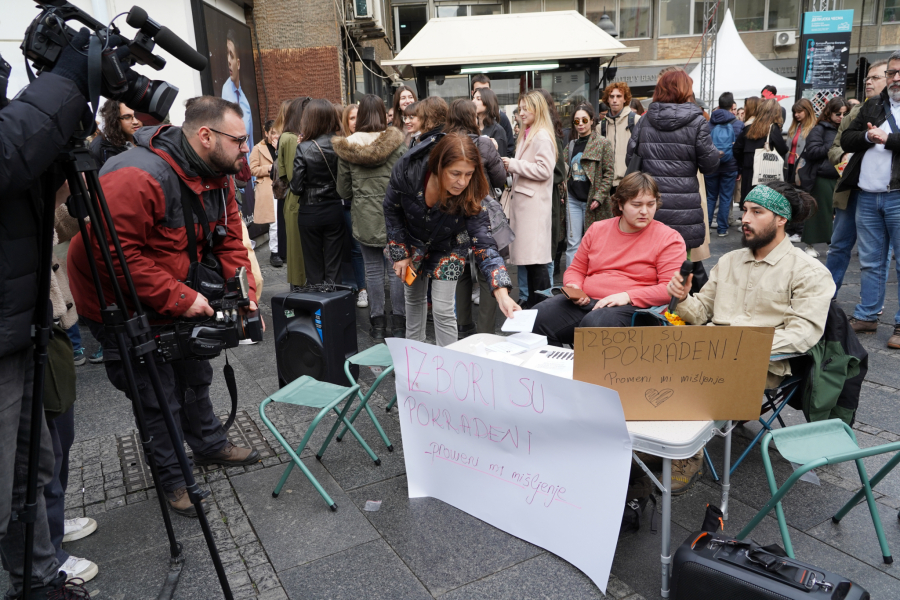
{"x": 231, "y": 66}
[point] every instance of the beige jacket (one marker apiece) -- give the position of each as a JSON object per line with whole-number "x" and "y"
{"x": 530, "y": 204}
{"x": 618, "y": 135}
{"x": 787, "y": 290}
{"x": 65, "y": 228}
{"x": 261, "y": 167}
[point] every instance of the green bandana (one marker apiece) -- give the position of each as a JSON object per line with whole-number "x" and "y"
{"x": 769, "y": 198}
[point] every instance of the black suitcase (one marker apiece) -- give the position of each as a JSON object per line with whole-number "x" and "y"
{"x": 711, "y": 566}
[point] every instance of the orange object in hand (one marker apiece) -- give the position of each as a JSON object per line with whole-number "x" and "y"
{"x": 674, "y": 319}
{"x": 410, "y": 275}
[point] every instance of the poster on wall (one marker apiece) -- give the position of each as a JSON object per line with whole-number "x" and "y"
{"x": 824, "y": 56}
{"x": 231, "y": 66}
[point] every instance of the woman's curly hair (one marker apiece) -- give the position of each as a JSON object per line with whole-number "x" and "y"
{"x": 112, "y": 126}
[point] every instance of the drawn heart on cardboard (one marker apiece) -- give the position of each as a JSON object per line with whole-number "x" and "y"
{"x": 657, "y": 397}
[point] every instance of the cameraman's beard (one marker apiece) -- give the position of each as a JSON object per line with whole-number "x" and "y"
{"x": 221, "y": 162}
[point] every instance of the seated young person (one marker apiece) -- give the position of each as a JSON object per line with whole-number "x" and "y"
{"x": 767, "y": 283}
{"x": 622, "y": 264}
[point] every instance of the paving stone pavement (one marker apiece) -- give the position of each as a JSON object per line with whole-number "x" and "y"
{"x": 294, "y": 547}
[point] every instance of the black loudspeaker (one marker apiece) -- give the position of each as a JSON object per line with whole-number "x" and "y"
{"x": 315, "y": 332}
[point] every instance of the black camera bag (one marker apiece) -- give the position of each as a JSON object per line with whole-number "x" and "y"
{"x": 204, "y": 275}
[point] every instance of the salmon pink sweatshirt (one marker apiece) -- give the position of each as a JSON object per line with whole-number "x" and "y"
{"x": 610, "y": 261}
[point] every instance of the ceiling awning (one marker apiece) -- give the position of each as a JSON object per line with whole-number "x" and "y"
{"x": 498, "y": 39}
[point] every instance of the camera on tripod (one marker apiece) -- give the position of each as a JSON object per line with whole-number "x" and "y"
{"x": 206, "y": 339}
{"x": 48, "y": 34}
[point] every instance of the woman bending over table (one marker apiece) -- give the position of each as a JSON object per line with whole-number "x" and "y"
{"x": 622, "y": 264}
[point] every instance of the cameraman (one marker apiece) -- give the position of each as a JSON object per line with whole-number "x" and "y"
{"x": 34, "y": 127}
{"x": 144, "y": 189}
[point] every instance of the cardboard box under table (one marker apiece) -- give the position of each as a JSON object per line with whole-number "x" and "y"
{"x": 666, "y": 439}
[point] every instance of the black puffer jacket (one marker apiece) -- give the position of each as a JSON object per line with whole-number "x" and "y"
{"x": 315, "y": 171}
{"x": 33, "y": 129}
{"x": 411, "y": 223}
{"x": 673, "y": 142}
{"x": 818, "y": 143}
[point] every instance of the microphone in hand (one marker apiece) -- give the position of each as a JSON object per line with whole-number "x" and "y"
{"x": 687, "y": 267}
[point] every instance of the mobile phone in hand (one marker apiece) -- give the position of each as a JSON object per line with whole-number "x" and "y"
{"x": 573, "y": 294}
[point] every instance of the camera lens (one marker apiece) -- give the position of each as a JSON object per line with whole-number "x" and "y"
{"x": 150, "y": 96}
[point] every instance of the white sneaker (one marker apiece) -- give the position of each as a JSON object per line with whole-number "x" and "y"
{"x": 247, "y": 342}
{"x": 794, "y": 239}
{"x": 362, "y": 301}
{"x": 811, "y": 251}
{"x": 476, "y": 296}
{"x": 79, "y": 567}
{"x": 75, "y": 529}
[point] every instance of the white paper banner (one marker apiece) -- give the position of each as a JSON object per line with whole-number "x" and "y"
{"x": 543, "y": 458}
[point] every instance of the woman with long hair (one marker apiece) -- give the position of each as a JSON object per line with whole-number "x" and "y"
{"x": 751, "y": 105}
{"x": 403, "y": 97}
{"x": 433, "y": 213}
{"x": 262, "y": 157}
{"x": 365, "y": 160}
{"x": 530, "y": 201}
{"x": 430, "y": 116}
{"x": 763, "y": 127}
{"x": 591, "y": 166}
{"x": 674, "y": 143}
{"x": 462, "y": 118}
{"x": 818, "y": 176}
{"x": 348, "y": 120}
{"x": 488, "y": 110}
{"x": 411, "y": 123}
{"x": 802, "y": 124}
{"x": 320, "y": 217}
{"x": 287, "y": 150}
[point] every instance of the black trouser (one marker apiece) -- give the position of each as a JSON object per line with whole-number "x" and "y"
{"x": 204, "y": 435}
{"x": 558, "y": 317}
{"x": 538, "y": 281}
{"x": 282, "y": 229}
{"x": 322, "y": 231}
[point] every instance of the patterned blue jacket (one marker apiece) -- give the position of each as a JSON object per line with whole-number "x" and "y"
{"x": 410, "y": 224}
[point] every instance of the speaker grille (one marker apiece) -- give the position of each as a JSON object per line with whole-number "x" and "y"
{"x": 300, "y": 354}
{"x": 700, "y": 582}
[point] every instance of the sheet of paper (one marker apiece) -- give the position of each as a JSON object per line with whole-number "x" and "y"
{"x": 542, "y": 458}
{"x": 523, "y": 320}
{"x": 553, "y": 361}
{"x": 506, "y": 348}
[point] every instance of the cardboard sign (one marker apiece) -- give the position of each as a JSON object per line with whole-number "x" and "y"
{"x": 678, "y": 373}
{"x": 543, "y": 458}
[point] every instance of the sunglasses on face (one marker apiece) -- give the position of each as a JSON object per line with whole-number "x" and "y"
{"x": 581, "y": 121}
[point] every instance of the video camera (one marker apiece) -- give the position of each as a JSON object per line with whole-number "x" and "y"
{"x": 189, "y": 339}
{"x": 112, "y": 54}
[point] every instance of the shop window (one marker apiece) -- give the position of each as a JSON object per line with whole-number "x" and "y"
{"x": 553, "y": 5}
{"x": 485, "y": 9}
{"x": 892, "y": 11}
{"x": 870, "y": 10}
{"x": 449, "y": 88}
{"x": 408, "y": 21}
{"x": 444, "y": 11}
{"x": 632, "y": 17}
{"x": 524, "y": 6}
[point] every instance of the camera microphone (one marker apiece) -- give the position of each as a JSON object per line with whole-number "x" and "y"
{"x": 687, "y": 267}
{"x": 165, "y": 39}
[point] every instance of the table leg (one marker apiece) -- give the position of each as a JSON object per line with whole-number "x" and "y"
{"x": 666, "y": 555}
{"x": 726, "y": 477}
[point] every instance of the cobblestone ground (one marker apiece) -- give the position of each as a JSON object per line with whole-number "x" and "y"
{"x": 294, "y": 547}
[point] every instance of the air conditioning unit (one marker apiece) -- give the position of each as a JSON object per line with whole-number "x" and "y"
{"x": 785, "y": 38}
{"x": 364, "y": 9}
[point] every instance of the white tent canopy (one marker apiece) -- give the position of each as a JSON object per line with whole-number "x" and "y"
{"x": 738, "y": 71}
{"x": 518, "y": 38}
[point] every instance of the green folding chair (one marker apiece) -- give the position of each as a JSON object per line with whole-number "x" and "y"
{"x": 306, "y": 391}
{"x": 815, "y": 445}
{"x": 375, "y": 356}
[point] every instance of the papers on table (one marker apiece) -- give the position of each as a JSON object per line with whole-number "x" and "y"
{"x": 553, "y": 362}
{"x": 506, "y": 348}
{"x": 523, "y": 320}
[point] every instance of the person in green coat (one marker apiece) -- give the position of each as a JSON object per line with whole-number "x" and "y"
{"x": 287, "y": 149}
{"x": 365, "y": 160}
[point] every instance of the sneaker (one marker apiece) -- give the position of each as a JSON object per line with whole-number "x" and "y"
{"x": 723, "y": 233}
{"x": 894, "y": 340}
{"x": 81, "y": 568}
{"x": 183, "y": 506}
{"x": 276, "y": 261}
{"x": 794, "y": 239}
{"x": 80, "y": 358}
{"x": 864, "y": 326}
{"x": 96, "y": 357}
{"x": 61, "y": 589}
{"x": 476, "y": 296}
{"x": 75, "y": 529}
{"x": 685, "y": 473}
{"x": 811, "y": 251}
{"x": 247, "y": 342}
{"x": 735, "y": 222}
{"x": 362, "y": 301}
{"x": 229, "y": 456}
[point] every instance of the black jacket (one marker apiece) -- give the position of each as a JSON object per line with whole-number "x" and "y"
{"x": 818, "y": 143}
{"x": 102, "y": 150}
{"x": 874, "y": 111}
{"x": 496, "y": 132}
{"x": 315, "y": 171}
{"x": 744, "y": 150}
{"x": 510, "y": 137}
{"x": 411, "y": 224}
{"x": 490, "y": 160}
{"x": 33, "y": 129}
{"x": 673, "y": 142}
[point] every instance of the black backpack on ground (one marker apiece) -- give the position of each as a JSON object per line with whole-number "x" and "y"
{"x": 640, "y": 494}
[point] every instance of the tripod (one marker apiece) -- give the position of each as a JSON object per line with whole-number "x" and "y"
{"x": 136, "y": 344}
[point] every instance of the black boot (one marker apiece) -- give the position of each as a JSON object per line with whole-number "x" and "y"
{"x": 398, "y": 326}
{"x": 377, "y": 331}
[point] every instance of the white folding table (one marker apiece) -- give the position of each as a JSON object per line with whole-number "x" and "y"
{"x": 666, "y": 439}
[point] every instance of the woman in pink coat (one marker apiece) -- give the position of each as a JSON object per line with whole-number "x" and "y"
{"x": 530, "y": 208}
